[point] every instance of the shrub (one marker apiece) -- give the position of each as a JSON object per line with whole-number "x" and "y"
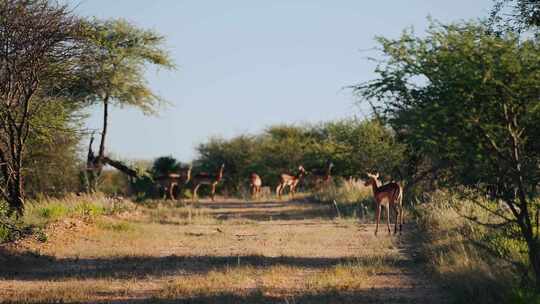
{"x": 458, "y": 251}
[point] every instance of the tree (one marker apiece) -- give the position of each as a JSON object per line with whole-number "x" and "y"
{"x": 470, "y": 102}
{"x": 38, "y": 40}
{"x": 165, "y": 165}
{"x": 111, "y": 72}
{"x": 353, "y": 146}
{"x": 52, "y": 161}
{"x": 516, "y": 15}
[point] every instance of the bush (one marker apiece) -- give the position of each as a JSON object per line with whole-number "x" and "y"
{"x": 458, "y": 251}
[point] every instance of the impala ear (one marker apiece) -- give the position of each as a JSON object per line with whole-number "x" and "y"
{"x": 376, "y": 175}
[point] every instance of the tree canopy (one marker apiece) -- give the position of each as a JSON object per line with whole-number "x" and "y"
{"x": 468, "y": 100}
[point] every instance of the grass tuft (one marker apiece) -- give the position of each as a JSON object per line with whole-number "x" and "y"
{"x": 457, "y": 250}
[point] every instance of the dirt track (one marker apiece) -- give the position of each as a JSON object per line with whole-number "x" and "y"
{"x": 229, "y": 252}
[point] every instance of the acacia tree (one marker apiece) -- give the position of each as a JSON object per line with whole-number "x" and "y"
{"x": 111, "y": 72}
{"x": 38, "y": 40}
{"x": 470, "y": 101}
{"x": 517, "y": 15}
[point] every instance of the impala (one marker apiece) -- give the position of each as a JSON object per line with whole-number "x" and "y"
{"x": 205, "y": 178}
{"x": 291, "y": 181}
{"x": 322, "y": 178}
{"x": 389, "y": 195}
{"x": 171, "y": 181}
{"x": 255, "y": 184}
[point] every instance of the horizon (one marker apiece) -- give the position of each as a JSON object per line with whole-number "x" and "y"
{"x": 239, "y": 71}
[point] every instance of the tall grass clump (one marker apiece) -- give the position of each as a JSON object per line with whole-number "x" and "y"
{"x": 44, "y": 210}
{"x": 352, "y": 198}
{"x": 468, "y": 248}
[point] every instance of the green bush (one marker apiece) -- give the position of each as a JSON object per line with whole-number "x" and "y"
{"x": 6, "y": 234}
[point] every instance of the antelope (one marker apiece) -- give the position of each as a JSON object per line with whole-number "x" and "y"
{"x": 170, "y": 181}
{"x": 255, "y": 184}
{"x": 291, "y": 181}
{"x": 323, "y": 177}
{"x": 389, "y": 195}
{"x": 205, "y": 178}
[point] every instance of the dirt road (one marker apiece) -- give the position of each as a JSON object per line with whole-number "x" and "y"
{"x": 224, "y": 252}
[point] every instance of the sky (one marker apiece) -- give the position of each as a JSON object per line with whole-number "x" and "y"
{"x": 246, "y": 65}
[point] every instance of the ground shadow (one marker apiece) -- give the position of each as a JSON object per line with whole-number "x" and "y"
{"x": 32, "y": 267}
{"x": 269, "y": 210}
{"x": 373, "y": 295}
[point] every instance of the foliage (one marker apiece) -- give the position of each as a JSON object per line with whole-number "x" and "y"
{"x": 449, "y": 244}
{"x": 53, "y": 161}
{"x": 113, "y": 63}
{"x": 165, "y": 165}
{"x": 111, "y": 71}
{"x": 39, "y": 38}
{"x": 113, "y": 183}
{"x": 353, "y": 146}
{"x": 468, "y": 100}
{"x": 516, "y": 15}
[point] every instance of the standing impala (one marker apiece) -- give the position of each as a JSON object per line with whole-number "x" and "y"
{"x": 323, "y": 178}
{"x": 291, "y": 181}
{"x": 255, "y": 184}
{"x": 205, "y": 178}
{"x": 389, "y": 195}
{"x": 171, "y": 181}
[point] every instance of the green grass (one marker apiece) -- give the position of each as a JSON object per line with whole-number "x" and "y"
{"x": 43, "y": 211}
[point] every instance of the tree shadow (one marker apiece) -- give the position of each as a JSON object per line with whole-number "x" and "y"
{"x": 269, "y": 210}
{"x": 259, "y": 296}
{"x": 31, "y": 267}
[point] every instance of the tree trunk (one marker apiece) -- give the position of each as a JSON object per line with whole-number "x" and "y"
{"x": 534, "y": 257}
{"x": 94, "y": 164}
{"x": 101, "y": 152}
{"x": 16, "y": 194}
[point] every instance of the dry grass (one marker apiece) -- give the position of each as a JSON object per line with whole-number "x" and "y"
{"x": 224, "y": 252}
{"x": 450, "y": 248}
{"x": 353, "y": 198}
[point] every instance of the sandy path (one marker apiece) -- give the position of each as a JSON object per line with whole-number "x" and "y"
{"x": 236, "y": 252}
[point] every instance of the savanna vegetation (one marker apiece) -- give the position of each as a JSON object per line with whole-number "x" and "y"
{"x": 454, "y": 122}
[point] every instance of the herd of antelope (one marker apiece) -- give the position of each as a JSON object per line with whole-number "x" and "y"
{"x": 388, "y": 196}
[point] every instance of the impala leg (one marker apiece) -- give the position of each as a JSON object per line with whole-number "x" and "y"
{"x": 195, "y": 192}
{"x": 378, "y": 218}
{"x": 400, "y": 218}
{"x": 396, "y": 209}
{"x": 171, "y": 191}
{"x": 213, "y": 191}
{"x": 388, "y": 218}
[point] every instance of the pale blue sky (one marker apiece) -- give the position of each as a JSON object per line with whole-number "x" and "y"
{"x": 245, "y": 65}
